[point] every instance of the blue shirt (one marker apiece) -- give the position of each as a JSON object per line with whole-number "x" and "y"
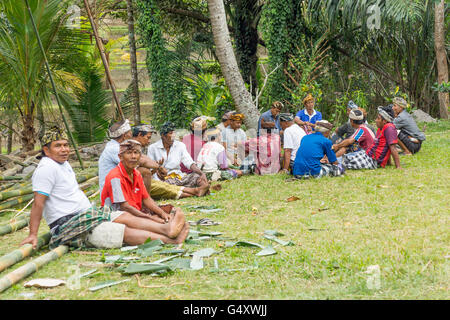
{"x": 109, "y": 159}
{"x": 304, "y": 116}
{"x": 312, "y": 148}
{"x": 267, "y": 116}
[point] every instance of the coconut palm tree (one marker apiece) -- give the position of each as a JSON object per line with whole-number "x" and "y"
{"x": 230, "y": 70}
{"x": 23, "y": 78}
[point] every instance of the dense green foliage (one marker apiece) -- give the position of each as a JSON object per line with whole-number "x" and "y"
{"x": 165, "y": 73}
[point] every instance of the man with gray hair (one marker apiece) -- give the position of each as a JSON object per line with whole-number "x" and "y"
{"x": 310, "y": 160}
{"x": 109, "y": 159}
{"x": 409, "y": 135}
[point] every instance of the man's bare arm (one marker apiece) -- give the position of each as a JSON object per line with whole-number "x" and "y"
{"x": 150, "y": 204}
{"x": 344, "y": 143}
{"x": 35, "y": 219}
{"x": 287, "y": 158}
{"x": 394, "y": 154}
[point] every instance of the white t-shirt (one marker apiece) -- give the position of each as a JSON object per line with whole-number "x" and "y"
{"x": 292, "y": 138}
{"x": 177, "y": 154}
{"x": 231, "y": 138}
{"x": 208, "y": 156}
{"x": 58, "y": 182}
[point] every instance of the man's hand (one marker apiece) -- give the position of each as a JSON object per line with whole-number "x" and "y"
{"x": 31, "y": 239}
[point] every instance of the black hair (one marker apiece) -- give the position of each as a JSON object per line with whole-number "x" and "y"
{"x": 358, "y": 121}
{"x": 137, "y": 131}
{"x": 42, "y": 155}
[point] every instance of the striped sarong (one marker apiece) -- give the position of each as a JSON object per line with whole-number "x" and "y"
{"x": 72, "y": 232}
{"x": 358, "y": 160}
{"x": 326, "y": 169}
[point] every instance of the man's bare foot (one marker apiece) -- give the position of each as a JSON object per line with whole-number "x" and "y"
{"x": 176, "y": 224}
{"x": 183, "y": 234}
{"x": 202, "y": 190}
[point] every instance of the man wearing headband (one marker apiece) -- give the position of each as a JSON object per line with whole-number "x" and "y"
{"x": 124, "y": 190}
{"x": 225, "y": 121}
{"x": 362, "y": 137}
{"x": 195, "y": 140}
{"x": 353, "y": 149}
{"x": 147, "y": 167}
{"x": 314, "y": 147}
{"x": 307, "y": 117}
{"x": 385, "y": 139}
{"x": 292, "y": 137}
{"x": 409, "y": 135}
{"x": 118, "y": 132}
{"x": 232, "y": 138}
{"x": 270, "y": 119}
{"x": 212, "y": 159}
{"x": 346, "y": 130}
{"x": 172, "y": 153}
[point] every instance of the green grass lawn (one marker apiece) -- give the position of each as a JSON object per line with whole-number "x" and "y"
{"x": 396, "y": 219}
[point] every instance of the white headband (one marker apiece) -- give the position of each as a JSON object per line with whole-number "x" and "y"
{"x": 125, "y": 127}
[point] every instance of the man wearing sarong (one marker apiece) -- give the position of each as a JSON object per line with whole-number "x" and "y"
{"x": 309, "y": 159}
{"x": 385, "y": 140}
{"x": 212, "y": 159}
{"x": 410, "y": 137}
{"x": 306, "y": 118}
{"x": 72, "y": 219}
{"x": 345, "y": 130}
{"x": 125, "y": 190}
{"x": 266, "y": 149}
{"x": 171, "y": 153}
{"x": 232, "y": 138}
{"x": 158, "y": 189}
{"x": 195, "y": 140}
{"x": 292, "y": 137}
{"x": 353, "y": 149}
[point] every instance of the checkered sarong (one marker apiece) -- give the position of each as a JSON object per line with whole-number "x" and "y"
{"x": 190, "y": 180}
{"x": 326, "y": 169}
{"x": 358, "y": 160}
{"x": 71, "y": 232}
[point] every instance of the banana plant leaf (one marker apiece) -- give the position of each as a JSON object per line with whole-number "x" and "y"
{"x": 88, "y": 273}
{"x": 166, "y": 259}
{"x": 230, "y": 244}
{"x": 180, "y": 263}
{"x": 207, "y": 252}
{"x": 274, "y": 233}
{"x": 267, "y": 251}
{"x": 210, "y": 210}
{"x": 196, "y": 262}
{"x": 106, "y": 284}
{"x": 282, "y": 242}
{"x": 172, "y": 251}
{"x": 129, "y": 248}
{"x": 211, "y": 234}
{"x": 133, "y": 268}
{"x": 151, "y": 243}
{"x": 147, "y": 252}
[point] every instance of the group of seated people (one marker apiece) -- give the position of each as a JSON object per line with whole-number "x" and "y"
{"x": 130, "y": 178}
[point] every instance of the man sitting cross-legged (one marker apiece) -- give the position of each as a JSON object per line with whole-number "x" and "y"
{"x": 310, "y": 155}
{"x": 292, "y": 138}
{"x": 125, "y": 190}
{"x": 410, "y": 137}
{"x": 156, "y": 188}
{"x": 352, "y": 148}
{"x": 171, "y": 154}
{"x": 71, "y": 217}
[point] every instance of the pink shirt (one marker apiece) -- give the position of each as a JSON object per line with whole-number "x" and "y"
{"x": 267, "y": 149}
{"x": 193, "y": 144}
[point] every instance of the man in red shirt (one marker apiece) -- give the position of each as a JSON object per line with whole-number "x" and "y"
{"x": 124, "y": 190}
{"x": 385, "y": 140}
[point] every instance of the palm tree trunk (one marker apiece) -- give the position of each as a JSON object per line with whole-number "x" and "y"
{"x": 441, "y": 56}
{"x": 227, "y": 59}
{"x": 133, "y": 62}
{"x": 28, "y": 132}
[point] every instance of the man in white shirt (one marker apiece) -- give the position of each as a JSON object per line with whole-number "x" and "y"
{"x": 212, "y": 158}
{"x": 69, "y": 214}
{"x": 232, "y": 138}
{"x": 292, "y": 138}
{"x": 171, "y": 153}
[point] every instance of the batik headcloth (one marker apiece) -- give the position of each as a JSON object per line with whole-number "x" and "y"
{"x": 53, "y": 134}
{"x": 237, "y": 116}
{"x": 130, "y": 144}
{"x": 118, "y": 129}
{"x": 166, "y": 128}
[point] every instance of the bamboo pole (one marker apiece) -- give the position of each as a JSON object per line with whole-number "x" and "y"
{"x": 17, "y": 201}
{"x": 24, "y": 251}
{"x": 13, "y": 226}
{"x": 72, "y": 140}
{"x": 10, "y": 178}
{"x": 24, "y": 271}
{"x": 101, "y": 49}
